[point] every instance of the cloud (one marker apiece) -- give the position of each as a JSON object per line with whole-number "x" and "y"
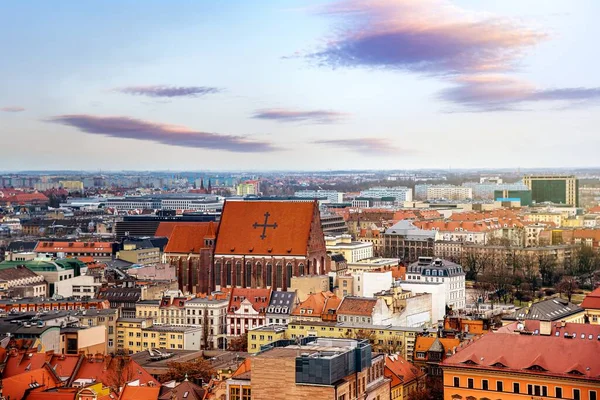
{"x": 173, "y": 135}
{"x": 371, "y": 146}
{"x": 13, "y": 109}
{"x": 505, "y": 93}
{"x": 429, "y": 36}
{"x": 474, "y": 52}
{"x": 168, "y": 91}
{"x": 284, "y": 115}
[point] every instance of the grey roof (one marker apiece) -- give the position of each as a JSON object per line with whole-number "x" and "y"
{"x": 406, "y": 228}
{"x": 546, "y": 310}
{"x": 428, "y": 266}
{"x": 16, "y": 272}
{"x": 22, "y": 246}
{"x": 281, "y": 300}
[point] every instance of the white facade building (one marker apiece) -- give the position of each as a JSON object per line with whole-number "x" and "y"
{"x": 401, "y": 193}
{"x": 79, "y": 286}
{"x": 331, "y": 195}
{"x": 352, "y": 251}
{"x": 200, "y": 311}
{"x": 366, "y": 284}
{"x": 429, "y": 275}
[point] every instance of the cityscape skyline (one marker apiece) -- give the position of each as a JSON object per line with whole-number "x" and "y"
{"x": 430, "y": 81}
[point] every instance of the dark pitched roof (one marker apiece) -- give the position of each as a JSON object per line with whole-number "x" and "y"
{"x": 16, "y": 272}
{"x": 357, "y": 306}
{"x": 21, "y": 246}
{"x": 546, "y": 310}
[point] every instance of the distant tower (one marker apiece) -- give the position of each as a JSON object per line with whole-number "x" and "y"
{"x": 201, "y": 183}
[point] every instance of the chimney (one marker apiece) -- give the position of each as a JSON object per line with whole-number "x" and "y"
{"x": 545, "y": 328}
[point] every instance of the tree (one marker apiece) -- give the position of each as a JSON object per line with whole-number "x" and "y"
{"x": 196, "y": 370}
{"x": 120, "y": 371}
{"x": 391, "y": 345}
{"x": 239, "y": 343}
{"x": 568, "y": 286}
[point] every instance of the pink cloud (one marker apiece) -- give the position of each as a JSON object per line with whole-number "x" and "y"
{"x": 173, "y": 135}
{"x": 13, "y": 109}
{"x": 376, "y": 146}
{"x": 287, "y": 115}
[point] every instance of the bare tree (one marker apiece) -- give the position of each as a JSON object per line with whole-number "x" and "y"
{"x": 568, "y": 286}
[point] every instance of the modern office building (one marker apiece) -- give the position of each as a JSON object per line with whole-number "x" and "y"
{"x": 559, "y": 189}
{"x": 400, "y": 193}
{"x": 332, "y": 195}
{"x": 524, "y": 196}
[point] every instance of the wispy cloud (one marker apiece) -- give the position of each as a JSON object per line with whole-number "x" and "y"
{"x": 13, "y": 109}
{"x": 371, "y": 146}
{"x": 287, "y": 115}
{"x": 173, "y": 135}
{"x": 474, "y": 52}
{"x": 494, "y": 93}
{"x": 168, "y": 91}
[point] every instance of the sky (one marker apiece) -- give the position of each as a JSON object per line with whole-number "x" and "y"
{"x": 299, "y": 84}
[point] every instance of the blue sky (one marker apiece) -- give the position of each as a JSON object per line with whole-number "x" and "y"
{"x": 195, "y": 85}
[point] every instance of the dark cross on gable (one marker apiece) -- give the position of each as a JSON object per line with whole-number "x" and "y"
{"x": 265, "y": 225}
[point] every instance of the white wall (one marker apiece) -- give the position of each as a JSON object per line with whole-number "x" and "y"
{"x": 366, "y": 284}
{"x": 438, "y": 296}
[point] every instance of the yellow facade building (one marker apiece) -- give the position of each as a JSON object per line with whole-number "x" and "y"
{"x": 386, "y": 338}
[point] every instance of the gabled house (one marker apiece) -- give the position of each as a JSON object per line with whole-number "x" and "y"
{"x": 247, "y": 309}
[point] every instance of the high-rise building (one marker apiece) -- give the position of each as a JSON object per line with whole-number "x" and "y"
{"x": 559, "y": 189}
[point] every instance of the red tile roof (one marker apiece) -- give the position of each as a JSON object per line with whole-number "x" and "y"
{"x": 362, "y": 306}
{"x": 103, "y": 371}
{"x": 140, "y": 392}
{"x": 15, "y": 386}
{"x": 190, "y": 238}
{"x": 543, "y": 355}
{"x": 592, "y": 300}
{"x": 569, "y": 328}
{"x": 165, "y": 229}
{"x": 241, "y": 230}
{"x": 400, "y": 371}
{"x": 86, "y": 247}
{"x": 314, "y": 305}
{"x": 254, "y": 296}
{"x": 60, "y": 394}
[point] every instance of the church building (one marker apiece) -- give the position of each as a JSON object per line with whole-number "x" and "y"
{"x": 263, "y": 244}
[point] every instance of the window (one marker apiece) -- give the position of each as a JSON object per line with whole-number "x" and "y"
{"x": 234, "y": 393}
{"x": 516, "y": 388}
{"x": 246, "y": 394}
{"x": 470, "y": 383}
{"x": 456, "y": 381}
{"x": 499, "y": 386}
{"x": 576, "y": 394}
{"x": 593, "y": 395}
{"x": 558, "y": 392}
{"x": 529, "y": 389}
{"x": 484, "y": 384}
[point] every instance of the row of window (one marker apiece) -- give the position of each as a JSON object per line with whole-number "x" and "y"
{"x": 533, "y": 390}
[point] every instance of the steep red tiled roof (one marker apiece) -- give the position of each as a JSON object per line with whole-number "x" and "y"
{"x": 244, "y": 370}
{"x": 592, "y": 300}
{"x": 254, "y": 296}
{"x": 558, "y": 356}
{"x": 362, "y": 306}
{"x": 400, "y": 370}
{"x": 190, "y": 238}
{"x": 166, "y": 228}
{"x": 241, "y": 230}
{"x": 140, "y": 392}
{"x": 104, "y": 371}
{"x": 313, "y": 305}
{"x": 424, "y": 343}
{"x": 15, "y": 386}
